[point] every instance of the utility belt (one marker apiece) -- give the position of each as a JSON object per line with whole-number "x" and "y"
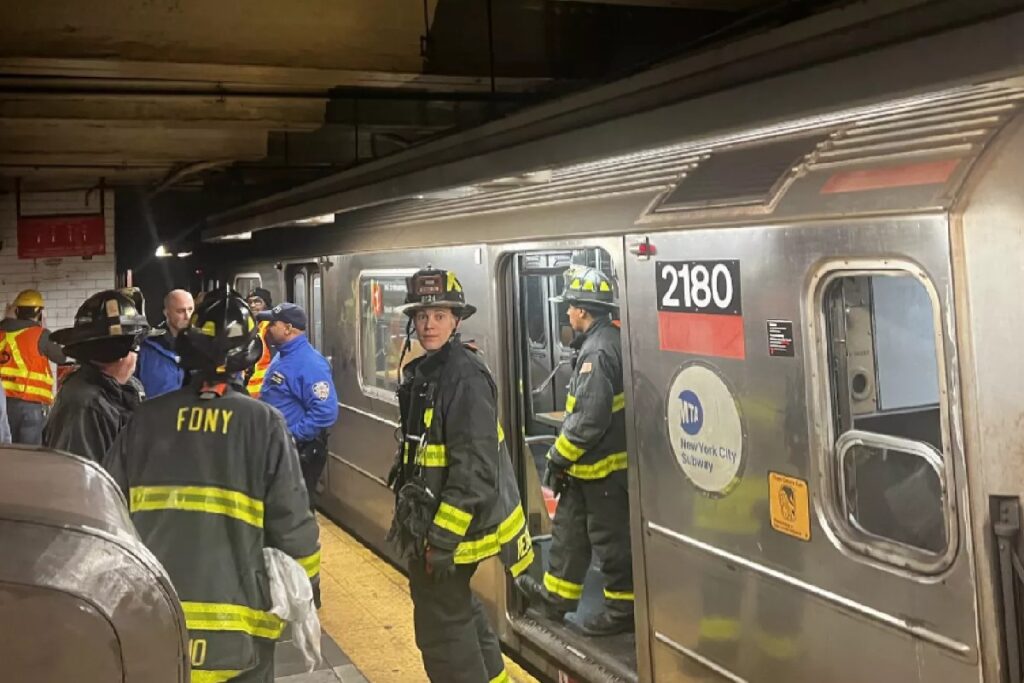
{"x": 313, "y": 449}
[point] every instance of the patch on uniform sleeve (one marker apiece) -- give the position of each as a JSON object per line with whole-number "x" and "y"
{"x": 277, "y": 377}
{"x": 586, "y": 367}
{"x": 321, "y": 390}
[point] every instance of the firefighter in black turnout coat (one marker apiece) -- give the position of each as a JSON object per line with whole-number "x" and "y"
{"x": 587, "y": 468}
{"x": 457, "y": 502}
{"x": 96, "y": 400}
{"x": 212, "y": 476}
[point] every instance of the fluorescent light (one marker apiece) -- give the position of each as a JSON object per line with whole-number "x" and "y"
{"x": 325, "y": 219}
{"x": 161, "y": 252}
{"x": 236, "y": 236}
{"x": 184, "y": 254}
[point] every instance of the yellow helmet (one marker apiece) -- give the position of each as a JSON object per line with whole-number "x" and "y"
{"x": 29, "y": 298}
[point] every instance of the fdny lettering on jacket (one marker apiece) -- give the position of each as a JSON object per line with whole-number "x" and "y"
{"x": 211, "y": 420}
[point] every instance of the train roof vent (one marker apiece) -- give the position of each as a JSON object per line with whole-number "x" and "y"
{"x": 952, "y": 127}
{"x": 741, "y": 175}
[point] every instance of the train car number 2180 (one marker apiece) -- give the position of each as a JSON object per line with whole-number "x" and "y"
{"x": 699, "y": 286}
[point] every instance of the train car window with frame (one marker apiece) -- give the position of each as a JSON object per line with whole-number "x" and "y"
{"x": 316, "y": 311}
{"x": 886, "y": 456}
{"x": 382, "y": 332}
{"x": 299, "y": 289}
{"x": 246, "y": 282}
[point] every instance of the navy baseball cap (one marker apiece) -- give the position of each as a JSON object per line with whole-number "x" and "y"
{"x": 290, "y": 313}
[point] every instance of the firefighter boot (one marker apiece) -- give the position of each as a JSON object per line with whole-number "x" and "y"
{"x": 607, "y": 624}
{"x": 541, "y": 602}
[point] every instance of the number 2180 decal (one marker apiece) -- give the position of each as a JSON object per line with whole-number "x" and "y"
{"x": 699, "y": 286}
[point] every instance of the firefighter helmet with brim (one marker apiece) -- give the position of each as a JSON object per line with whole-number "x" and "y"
{"x": 222, "y": 337}
{"x": 435, "y": 288}
{"x": 587, "y": 288}
{"x": 108, "y": 325}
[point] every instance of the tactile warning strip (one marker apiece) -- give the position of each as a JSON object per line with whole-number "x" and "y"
{"x": 367, "y": 611}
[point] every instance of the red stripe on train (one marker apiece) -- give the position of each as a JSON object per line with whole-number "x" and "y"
{"x": 907, "y": 175}
{"x": 701, "y": 333}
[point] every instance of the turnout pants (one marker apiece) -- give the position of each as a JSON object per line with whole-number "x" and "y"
{"x": 592, "y": 515}
{"x": 452, "y": 633}
{"x": 313, "y": 459}
{"x": 26, "y": 419}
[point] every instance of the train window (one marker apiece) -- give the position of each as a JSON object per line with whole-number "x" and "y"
{"x": 316, "y": 312}
{"x": 536, "y": 324}
{"x": 382, "y": 333}
{"x": 246, "y": 282}
{"x": 892, "y": 489}
{"x": 889, "y": 476}
{"x": 299, "y": 289}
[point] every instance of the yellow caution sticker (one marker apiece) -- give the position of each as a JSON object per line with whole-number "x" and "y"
{"x": 790, "y": 505}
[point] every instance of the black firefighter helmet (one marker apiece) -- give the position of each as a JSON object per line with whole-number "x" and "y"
{"x": 435, "y": 288}
{"x": 589, "y": 289}
{"x": 108, "y": 326}
{"x": 221, "y": 338}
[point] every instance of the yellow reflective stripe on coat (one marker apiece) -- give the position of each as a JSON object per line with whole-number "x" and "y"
{"x": 501, "y": 433}
{"x": 311, "y": 563}
{"x": 432, "y": 455}
{"x": 567, "y": 450}
{"x": 501, "y": 678}
{"x": 214, "y": 675}
{"x": 15, "y": 372}
{"x": 218, "y": 616}
{"x": 20, "y": 387}
{"x": 600, "y": 469}
{"x": 618, "y": 403}
{"x": 619, "y": 595}
{"x": 522, "y": 564}
{"x": 453, "y": 519}
{"x": 208, "y": 499}
{"x": 469, "y": 552}
{"x": 428, "y": 417}
{"x": 562, "y": 588}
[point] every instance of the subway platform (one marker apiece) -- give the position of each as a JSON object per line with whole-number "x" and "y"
{"x": 366, "y": 619}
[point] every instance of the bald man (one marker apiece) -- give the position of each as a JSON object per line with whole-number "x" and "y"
{"x": 158, "y": 368}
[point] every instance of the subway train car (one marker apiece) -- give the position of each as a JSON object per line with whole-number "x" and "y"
{"x": 824, "y": 393}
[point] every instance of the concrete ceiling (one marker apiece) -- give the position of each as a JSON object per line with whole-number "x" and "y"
{"x": 245, "y": 97}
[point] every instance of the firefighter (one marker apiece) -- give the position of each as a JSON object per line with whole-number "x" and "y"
{"x": 97, "y": 399}
{"x": 26, "y": 351}
{"x": 300, "y": 385}
{"x": 586, "y": 468}
{"x": 259, "y": 300}
{"x": 457, "y": 501}
{"x": 212, "y": 477}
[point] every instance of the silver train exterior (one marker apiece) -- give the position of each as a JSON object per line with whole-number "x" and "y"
{"x": 821, "y": 326}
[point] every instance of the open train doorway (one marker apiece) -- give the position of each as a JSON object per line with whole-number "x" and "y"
{"x": 544, "y": 356}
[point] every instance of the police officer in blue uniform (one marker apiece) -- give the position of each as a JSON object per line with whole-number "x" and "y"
{"x": 299, "y": 384}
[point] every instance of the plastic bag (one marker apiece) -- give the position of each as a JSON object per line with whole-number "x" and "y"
{"x": 292, "y": 600}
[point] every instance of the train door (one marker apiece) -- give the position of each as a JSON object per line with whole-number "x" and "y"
{"x": 802, "y": 489}
{"x": 543, "y": 364}
{"x": 304, "y": 283}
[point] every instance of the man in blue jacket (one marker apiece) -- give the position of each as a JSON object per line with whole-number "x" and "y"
{"x": 299, "y": 384}
{"x": 158, "y": 368}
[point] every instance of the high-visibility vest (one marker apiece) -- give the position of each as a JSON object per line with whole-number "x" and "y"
{"x": 24, "y": 371}
{"x": 259, "y": 371}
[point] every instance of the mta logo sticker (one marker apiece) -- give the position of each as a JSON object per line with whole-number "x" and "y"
{"x": 321, "y": 390}
{"x": 692, "y": 413}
